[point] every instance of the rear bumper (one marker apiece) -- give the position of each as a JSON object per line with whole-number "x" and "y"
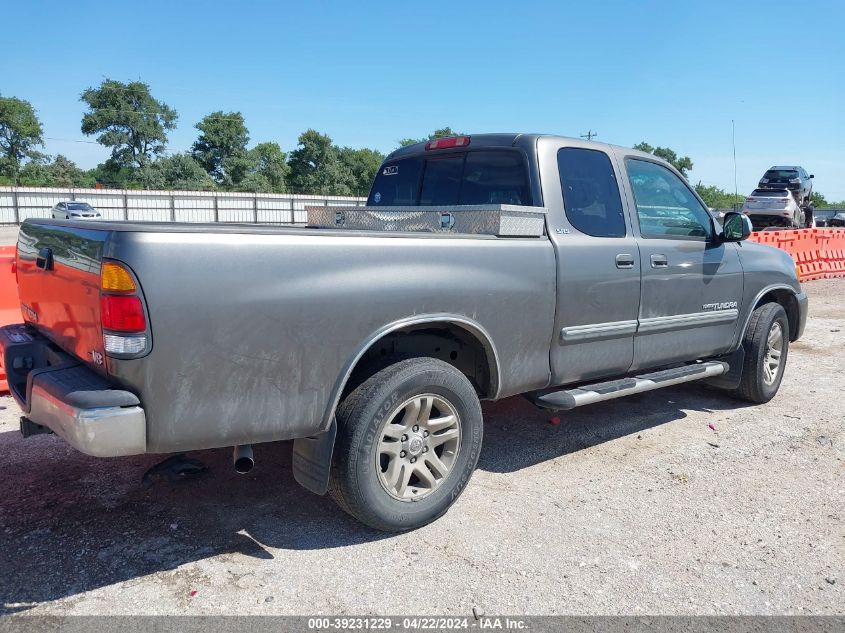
{"x": 57, "y": 392}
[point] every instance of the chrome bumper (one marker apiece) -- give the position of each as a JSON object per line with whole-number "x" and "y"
{"x": 57, "y": 392}
{"x": 98, "y": 431}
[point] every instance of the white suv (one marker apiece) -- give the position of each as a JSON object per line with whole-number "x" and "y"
{"x": 773, "y": 208}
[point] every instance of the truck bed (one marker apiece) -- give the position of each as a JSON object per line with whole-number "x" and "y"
{"x": 254, "y": 329}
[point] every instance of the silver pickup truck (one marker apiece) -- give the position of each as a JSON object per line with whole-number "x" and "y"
{"x": 482, "y": 267}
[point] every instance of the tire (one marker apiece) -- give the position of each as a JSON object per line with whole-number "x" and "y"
{"x": 759, "y": 382}
{"x": 371, "y": 462}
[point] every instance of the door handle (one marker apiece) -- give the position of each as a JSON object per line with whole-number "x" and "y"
{"x": 659, "y": 261}
{"x": 624, "y": 260}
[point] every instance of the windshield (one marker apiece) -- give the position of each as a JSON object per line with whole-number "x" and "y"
{"x": 461, "y": 178}
{"x": 79, "y": 206}
{"x": 781, "y": 174}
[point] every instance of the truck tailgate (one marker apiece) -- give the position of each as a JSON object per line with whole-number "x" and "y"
{"x": 59, "y": 285}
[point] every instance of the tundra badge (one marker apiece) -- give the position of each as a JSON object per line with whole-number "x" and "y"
{"x": 725, "y": 305}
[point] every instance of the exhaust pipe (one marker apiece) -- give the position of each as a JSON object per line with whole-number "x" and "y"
{"x": 243, "y": 459}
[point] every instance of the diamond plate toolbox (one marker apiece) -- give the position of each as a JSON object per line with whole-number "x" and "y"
{"x": 503, "y": 220}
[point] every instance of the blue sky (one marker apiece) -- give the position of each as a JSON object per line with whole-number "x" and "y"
{"x": 672, "y": 73}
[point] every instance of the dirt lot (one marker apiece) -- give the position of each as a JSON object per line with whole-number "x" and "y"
{"x": 682, "y": 501}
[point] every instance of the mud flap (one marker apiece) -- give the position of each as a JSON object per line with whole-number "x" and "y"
{"x": 312, "y": 460}
{"x": 733, "y": 377}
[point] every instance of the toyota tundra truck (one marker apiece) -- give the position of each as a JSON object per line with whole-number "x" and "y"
{"x": 482, "y": 267}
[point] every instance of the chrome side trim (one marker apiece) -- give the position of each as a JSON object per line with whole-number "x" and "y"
{"x": 613, "y": 329}
{"x": 684, "y": 321}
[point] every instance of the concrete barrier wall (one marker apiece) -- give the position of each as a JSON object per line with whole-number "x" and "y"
{"x": 19, "y": 203}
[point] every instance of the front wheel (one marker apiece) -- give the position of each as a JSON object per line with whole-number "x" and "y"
{"x": 408, "y": 440}
{"x": 766, "y": 344}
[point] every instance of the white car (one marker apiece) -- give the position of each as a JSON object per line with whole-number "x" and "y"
{"x": 773, "y": 208}
{"x": 74, "y": 211}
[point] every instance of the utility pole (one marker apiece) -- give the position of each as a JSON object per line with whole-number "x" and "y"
{"x": 590, "y": 135}
{"x": 733, "y": 142}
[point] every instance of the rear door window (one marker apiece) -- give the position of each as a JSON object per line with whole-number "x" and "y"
{"x": 461, "y": 178}
{"x": 590, "y": 193}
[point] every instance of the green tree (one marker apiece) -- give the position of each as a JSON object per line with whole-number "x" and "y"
{"x": 440, "y": 133}
{"x": 363, "y": 165}
{"x": 315, "y": 167}
{"x": 129, "y": 120}
{"x": 682, "y": 164}
{"x": 717, "y": 198}
{"x": 20, "y": 134}
{"x": 818, "y": 200}
{"x": 115, "y": 176}
{"x": 266, "y": 169}
{"x": 58, "y": 172}
{"x": 180, "y": 171}
{"x": 221, "y": 145}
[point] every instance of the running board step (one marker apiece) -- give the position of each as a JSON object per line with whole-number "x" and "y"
{"x": 588, "y": 394}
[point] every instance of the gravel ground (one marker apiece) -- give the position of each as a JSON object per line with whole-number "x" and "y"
{"x": 682, "y": 501}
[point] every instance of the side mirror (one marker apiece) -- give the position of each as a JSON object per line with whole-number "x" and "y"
{"x": 736, "y": 227}
{"x": 812, "y": 176}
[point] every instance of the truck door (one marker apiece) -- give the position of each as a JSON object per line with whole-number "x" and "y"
{"x": 691, "y": 281}
{"x": 598, "y": 265}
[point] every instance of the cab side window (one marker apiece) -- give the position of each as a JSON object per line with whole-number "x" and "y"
{"x": 590, "y": 192}
{"x": 666, "y": 207}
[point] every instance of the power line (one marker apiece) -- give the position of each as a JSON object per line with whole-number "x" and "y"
{"x": 238, "y": 117}
{"x": 69, "y": 140}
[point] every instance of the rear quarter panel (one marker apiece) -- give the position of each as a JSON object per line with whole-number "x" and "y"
{"x": 251, "y": 331}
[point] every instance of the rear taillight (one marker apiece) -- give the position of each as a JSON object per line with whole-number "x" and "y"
{"x": 447, "y": 142}
{"x": 115, "y": 278}
{"x": 121, "y": 311}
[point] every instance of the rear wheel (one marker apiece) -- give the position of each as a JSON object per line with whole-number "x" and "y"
{"x": 766, "y": 344}
{"x": 408, "y": 441}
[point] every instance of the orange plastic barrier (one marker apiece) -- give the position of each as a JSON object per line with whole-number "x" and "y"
{"x": 10, "y": 311}
{"x": 818, "y": 253}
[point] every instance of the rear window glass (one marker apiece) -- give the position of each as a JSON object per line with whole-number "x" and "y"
{"x": 772, "y": 193}
{"x": 780, "y": 174}
{"x": 442, "y": 181}
{"x": 479, "y": 177}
